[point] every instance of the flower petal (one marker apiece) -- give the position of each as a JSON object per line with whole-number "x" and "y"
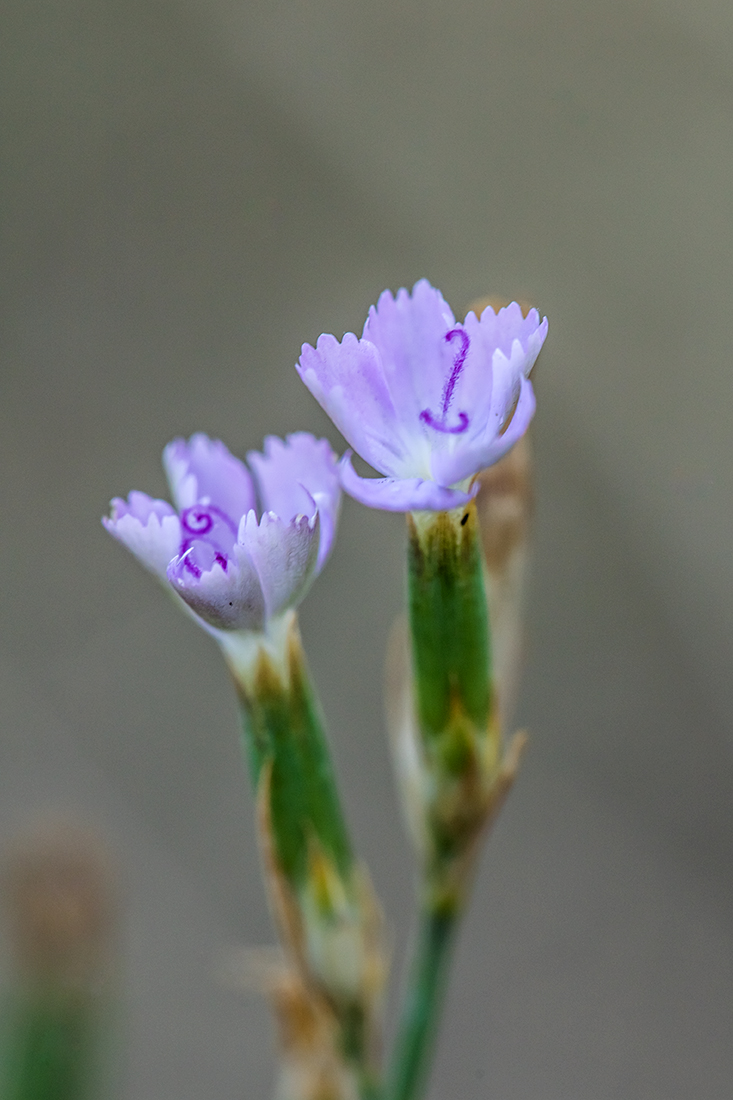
{"x": 328, "y": 516}
{"x": 147, "y": 527}
{"x": 284, "y": 555}
{"x": 517, "y": 425}
{"x": 410, "y": 332}
{"x": 295, "y": 477}
{"x": 502, "y": 350}
{"x": 400, "y": 494}
{"x": 451, "y": 467}
{"x": 205, "y": 470}
{"x": 228, "y": 597}
{"x": 347, "y": 380}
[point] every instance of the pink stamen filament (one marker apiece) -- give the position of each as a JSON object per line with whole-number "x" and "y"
{"x": 439, "y": 423}
{"x": 198, "y": 521}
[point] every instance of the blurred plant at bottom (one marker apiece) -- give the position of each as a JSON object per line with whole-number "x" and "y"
{"x": 59, "y": 902}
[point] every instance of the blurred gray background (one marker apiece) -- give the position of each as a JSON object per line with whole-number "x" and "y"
{"x": 190, "y": 190}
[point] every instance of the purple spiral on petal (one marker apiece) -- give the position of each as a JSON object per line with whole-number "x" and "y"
{"x": 199, "y": 519}
{"x": 196, "y": 520}
{"x": 209, "y": 534}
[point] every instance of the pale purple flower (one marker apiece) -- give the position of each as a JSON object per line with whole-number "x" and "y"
{"x": 425, "y": 399}
{"x": 235, "y": 570}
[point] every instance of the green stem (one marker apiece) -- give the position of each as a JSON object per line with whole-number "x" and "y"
{"x": 312, "y": 870}
{"x": 283, "y": 727}
{"x": 421, "y": 1008}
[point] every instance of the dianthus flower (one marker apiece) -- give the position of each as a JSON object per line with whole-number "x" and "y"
{"x": 425, "y": 399}
{"x": 234, "y": 570}
{"x": 240, "y": 548}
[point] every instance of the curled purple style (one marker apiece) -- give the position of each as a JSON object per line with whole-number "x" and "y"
{"x": 234, "y": 565}
{"x": 426, "y": 400}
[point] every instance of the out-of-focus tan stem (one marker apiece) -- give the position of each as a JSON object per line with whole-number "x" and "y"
{"x": 505, "y": 506}
{"x": 60, "y": 905}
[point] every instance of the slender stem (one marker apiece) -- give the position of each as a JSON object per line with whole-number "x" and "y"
{"x": 322, "y": 908}
{"x": 421, "y": 1009}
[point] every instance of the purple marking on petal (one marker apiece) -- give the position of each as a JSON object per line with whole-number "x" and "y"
{"x": 440, "y": 423}
{"x": 198, "y": 519}
{"x": 186, "y": 560}
{"x": 458, "y": 362}
{"x": 208, "y": 535}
